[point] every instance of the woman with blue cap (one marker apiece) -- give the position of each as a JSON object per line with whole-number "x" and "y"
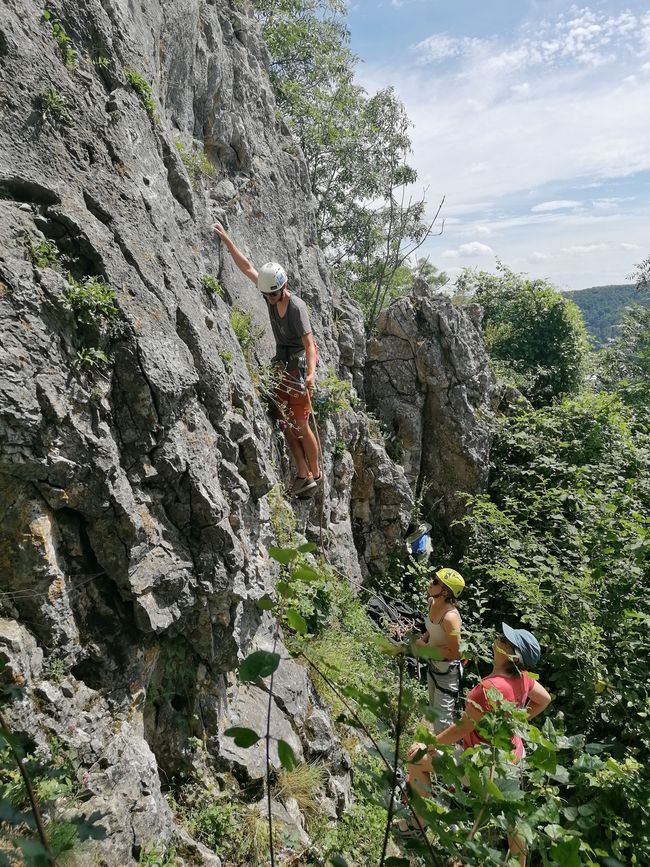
{"x": 513, "y": 651}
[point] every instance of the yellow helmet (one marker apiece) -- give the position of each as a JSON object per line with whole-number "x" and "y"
{"x": 451, "y": 579}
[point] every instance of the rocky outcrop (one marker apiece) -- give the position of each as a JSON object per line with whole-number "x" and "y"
{"x": 429, "y": 382}
{"x": 140, "y": 472}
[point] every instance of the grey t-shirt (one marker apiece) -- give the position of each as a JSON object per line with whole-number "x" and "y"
{"x": 288, "y": 330}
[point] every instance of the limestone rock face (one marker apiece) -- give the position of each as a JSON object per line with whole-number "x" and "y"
{"x": 136, "y": 458}
{"x": 429, "y": 382}
{"x": 140, "y": 471}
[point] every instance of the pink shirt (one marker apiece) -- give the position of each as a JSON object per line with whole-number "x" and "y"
{"x": 515, "y": 689}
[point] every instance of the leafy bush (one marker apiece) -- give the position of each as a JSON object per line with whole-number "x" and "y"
{"x": 89, "y": 299}
{"x": 39, "y": 796}
{"x": 535, "y": 335}
{"x": 44, "y": 254}
{"x": 562, "y": 543}
{"x": 91, "y": 359}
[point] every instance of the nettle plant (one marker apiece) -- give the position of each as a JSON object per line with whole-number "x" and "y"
{"x": 554, "y": 799}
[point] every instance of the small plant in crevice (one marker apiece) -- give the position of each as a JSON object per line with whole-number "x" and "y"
{"x": 44, "y": 254}
{"x": 340, "y": 448}
{"x": 212, "y": 285}
{"x": 281, "y": 516}
{"x": 52, "y": 106}
{"x": 54, "y": 669}
{"x": 144, "y": 91}
{"x": 90, "y": 298}
{"x": 332, "y": 397}
{"x": 227, "y": 358}
{"x": 302, "y": 783}
{"x": 151, "y": 856}
{"x": 196, "y": 162}
{"x": 90, "y": 359}
{"x": 63, "y": 41}
{"x": 247, "y": 334}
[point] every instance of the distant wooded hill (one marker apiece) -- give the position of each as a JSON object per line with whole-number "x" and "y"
{"x": 602, "y": 308}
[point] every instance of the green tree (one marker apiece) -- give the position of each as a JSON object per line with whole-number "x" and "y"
{"x": 534, "y": 334}
{"x": 355, "y": 147}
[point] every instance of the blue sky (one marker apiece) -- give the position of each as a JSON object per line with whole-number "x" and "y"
{"x": 532, "y": 117}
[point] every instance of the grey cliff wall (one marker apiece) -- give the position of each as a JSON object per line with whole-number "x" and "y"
{"x": 429, "y": 381}
{"x": 138, "y": 501}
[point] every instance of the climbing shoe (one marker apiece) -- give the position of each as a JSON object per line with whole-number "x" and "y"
{"x": 303, "y": 487}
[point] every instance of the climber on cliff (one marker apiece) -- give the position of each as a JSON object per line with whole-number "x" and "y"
{"x": 296, "y": 355}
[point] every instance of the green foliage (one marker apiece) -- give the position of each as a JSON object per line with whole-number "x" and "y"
{"x": 212, "y": 285}
{"x": 44, "y": 254}
{"x": 150, "y": 856}
{"x": 63, "y": 41}
{"x": 562, "y": 541}
{"x": 625, "y": 365}
{"x": 281, "y": 516}
{"x": 47, "y": 819}
{"x": 197, "y": 164}
{"x": 532, "y": 331}
{"x": 237, "y": 832}
{"x": 332, "y": 397}
{"x": 144, "y": 91}
{"x": 91, "y": 359}
{"x": 54, "y": 668}
{"x": 247, "y": 334}
{"x": 302, "y": 782}
{"x": 51, "y": 105}
{"x": 90, "y": 299}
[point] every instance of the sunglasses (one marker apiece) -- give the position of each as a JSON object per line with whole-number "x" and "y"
{"x": 436, "y": 582}
{"x": 273, "y": 294}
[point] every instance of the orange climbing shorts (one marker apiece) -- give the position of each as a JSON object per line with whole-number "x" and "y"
{"x": 292, "y": 400}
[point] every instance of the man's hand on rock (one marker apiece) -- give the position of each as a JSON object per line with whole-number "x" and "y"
{"x": 219, "y": 231}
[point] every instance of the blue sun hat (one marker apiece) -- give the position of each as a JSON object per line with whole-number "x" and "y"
{"x": 525, "y": 643}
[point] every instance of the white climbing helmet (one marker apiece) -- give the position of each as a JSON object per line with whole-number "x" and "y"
{"x": 271, "y": 277}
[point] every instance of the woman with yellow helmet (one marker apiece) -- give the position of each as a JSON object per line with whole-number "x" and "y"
{"x": 443, "y": 625}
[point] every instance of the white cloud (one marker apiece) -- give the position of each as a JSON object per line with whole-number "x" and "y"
{"x": 625, "y": 246}
{"x": 584, "y": 248}
{"x": 536, "y": 256}
{"x": 582, "y": 36}
{"x": 482, "y": 230}
{"x": 475, "y": 248}
{"x": 441, "y": 46}
{"x": 557, "y": 205}
{"x": 578, "y": 127}
{"x": 472, "y": 250}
